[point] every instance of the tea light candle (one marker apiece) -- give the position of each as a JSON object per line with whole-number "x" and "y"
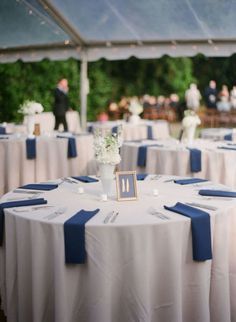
{"x": 80, "y": 190}
{"x": 104, "y": 197}
{"x": 155, "y": 192}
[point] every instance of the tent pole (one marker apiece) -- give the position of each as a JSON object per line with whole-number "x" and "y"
{"x": 83, "y": 92}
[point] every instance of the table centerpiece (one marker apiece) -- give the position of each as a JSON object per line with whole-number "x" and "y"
{"x": 107, "y": 153}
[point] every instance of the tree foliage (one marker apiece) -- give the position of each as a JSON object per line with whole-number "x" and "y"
{"x": 109, "y": 80}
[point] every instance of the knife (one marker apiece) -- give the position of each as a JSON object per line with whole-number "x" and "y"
{"x": 199, "y": 205}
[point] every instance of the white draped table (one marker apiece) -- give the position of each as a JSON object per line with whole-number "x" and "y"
{"x": 51, "y": 160}
{"x": 138, "y": 268}
{"x": 217, "y": 133}
{"x": 218, "y": 165}
{"x": 160, "y": 129}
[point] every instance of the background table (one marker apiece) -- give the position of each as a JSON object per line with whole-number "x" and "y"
{"x": 138, "y": 268}
{"x": 160, "y": 129}
{"x": 217, "y": 133}
{"x": 51, "y": 161}
{"x": 218, "y": 165}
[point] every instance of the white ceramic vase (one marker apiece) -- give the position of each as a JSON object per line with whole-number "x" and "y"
{"x": 106, "y": 171}
{"x": 134, "y": 119}
{"x": 30, "y": 125}
{"x": 190, "y": 134}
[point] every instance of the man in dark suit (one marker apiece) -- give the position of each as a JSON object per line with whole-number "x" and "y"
{"x": 61, "y": 104}
{"x": 211, "y": 95}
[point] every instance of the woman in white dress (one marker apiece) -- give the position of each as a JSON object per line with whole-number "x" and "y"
{"x": 193, "y": 97}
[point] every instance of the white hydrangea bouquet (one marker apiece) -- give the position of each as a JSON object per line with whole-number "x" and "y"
{"x": 190, "y": 121}
{"x": 135, "y": 107}
{"x": 30, "y": 108}
{"x": 107, "y": 146}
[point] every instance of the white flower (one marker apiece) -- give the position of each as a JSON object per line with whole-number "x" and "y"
{"x": 135, "y": 107}
{"x": 30, "y": 108}
{"x": 106, "y": 147}
{"x": 190, "y": 119}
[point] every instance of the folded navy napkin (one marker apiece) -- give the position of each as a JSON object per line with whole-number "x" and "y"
{"x": 141, "y": 176}
{"x": 228, "y": 137}
{"x": 114, "y": 130}
{"x": 189, "y": 181}
{"x": 227, "y": 148}
{"x": 86, "y": 179}
{"x": 90, "y": 129}
{"x": 2, "y": 130}
{"x": 13, "y": 204}
{"x": 74, "y": 235}
{"x": 71, "y": 149}
{"x": 149, "y": 132}
{"x": 39, "y": 186}
{"x": 142, "y": 154}
{"x": 195, "y": 160}
{"x": 31, "y": 149}
{"x": 201, "y": 230}
{"x": 217, "y": 193}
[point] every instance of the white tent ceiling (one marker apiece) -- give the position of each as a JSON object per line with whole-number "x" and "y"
{"x": 115, "y": 29}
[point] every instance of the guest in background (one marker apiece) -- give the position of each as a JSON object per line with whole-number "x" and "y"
{"x": 113, "y": 110}
{"x": 211, "y": 95}
{"x": 193, "y": 97}
{"x": 233, "y": 97}
{"x": 223, "y": 105}
{"x": 61, "y": 104}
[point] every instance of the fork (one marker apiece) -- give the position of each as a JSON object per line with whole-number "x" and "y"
{"x": 158, "y": 214}
{"x": 108, "y": 217}
{"x": 56, "y": 213}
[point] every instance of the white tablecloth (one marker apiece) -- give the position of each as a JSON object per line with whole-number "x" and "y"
{"x": 139, "y": 268}
{"x": 160, "y": 129}
{"x": 217, "y": 133}
{"x": 51, "y": 160}
{"x": 47, "y": 122}
{"x": 218, "y": 165}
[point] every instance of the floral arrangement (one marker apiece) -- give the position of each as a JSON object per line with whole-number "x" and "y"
{"x": 107, "y": 146}
{"x": 30, "y": 108}
{"x": 190, "y": 119}
{"x": 135, "y": 107}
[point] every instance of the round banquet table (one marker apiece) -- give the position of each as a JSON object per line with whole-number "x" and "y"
{"x": 217, "y": 133}
{"x": 138, "y": 268}
{"x": 173, "y": 157}
{"x": 160, "y": 129}
{"x": 51, "y": 160}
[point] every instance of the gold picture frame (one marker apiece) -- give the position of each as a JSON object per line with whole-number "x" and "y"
{"x": 126, "y": 185}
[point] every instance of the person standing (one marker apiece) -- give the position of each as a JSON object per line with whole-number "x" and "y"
{"x": 211, "y": 95}
{"x": 192, "y": 97}
{"x": 61, "y": 104}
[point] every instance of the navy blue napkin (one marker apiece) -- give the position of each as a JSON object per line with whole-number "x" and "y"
{"x": 201, "y": 230}
{"x": 90, "y": 129}
{"x": 149, "y": 132}
{"x": 86, "y": 179}
{"x": 228, "y": 137}
{"x": 114, "y": 130}
{"x": 189, "y": 181}
{"x": 13, "y": 204}
{"x": 2, "y": 130}
{"x": 31, "y": 149}
{"x": 142, "y": 154}
{"x": 141, "y": 176}
{"x": 227, "y": 148}
{"x": 71, "y": 149}
{"x": 74, "y": 234}
{"x": 39, "y": 186}
{"x": 217, "y": 193}
{"x": 195, "y": 160}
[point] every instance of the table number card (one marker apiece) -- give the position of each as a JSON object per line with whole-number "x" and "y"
{"x": 126, "y": 185}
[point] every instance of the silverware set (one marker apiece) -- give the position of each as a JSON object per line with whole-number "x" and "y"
{"x": 55, "y": 214}
{"x": 111, "y": 217}
{"x": 158, "y": 214}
